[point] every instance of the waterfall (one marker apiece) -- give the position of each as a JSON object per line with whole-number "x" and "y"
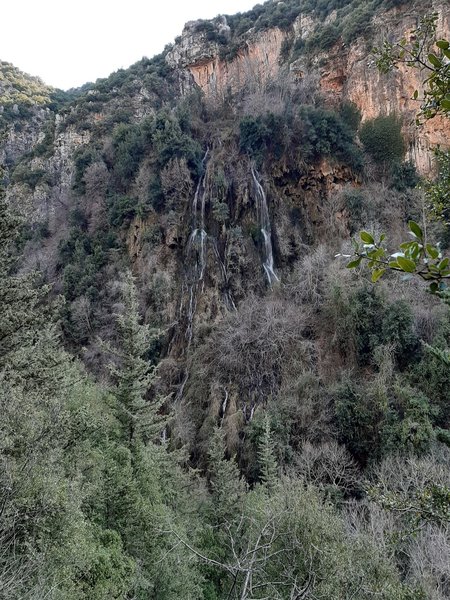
{"x": 224, "y": 406}
{"x": 262, "y": 212}
{"x": 227, "y": 297}
{"x": 195, "y": 265}
{"x": 195, "y": 253}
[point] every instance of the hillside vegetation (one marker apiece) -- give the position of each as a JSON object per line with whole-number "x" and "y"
{"x": 199, "y": 399}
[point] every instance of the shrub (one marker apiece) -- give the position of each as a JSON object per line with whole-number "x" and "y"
{"x": 261, "y": 135}
{"x": 31, "y": 177}
{"x": 83, "y": 157}
{"x": 156, "y": 197}
{"x": 363, "y": 321}
{"x": 404, "y": 176}
{"x": 326, "y": 134}
{"x": 351, "y": 115}
{"x": 382, "y": 139}
{"x": 121, "y": 209}
{"x": 323, "y": 38}
{"x": 129, "y": 146}
{"x": 220, "y": 211}
{"x": 360, "y": 419}
{"x": 170, "y": 141}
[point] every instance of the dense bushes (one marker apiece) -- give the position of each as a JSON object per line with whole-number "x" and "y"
{"x": 31, "y": 177}
{"x": 327, "y": 134}
{"x": 83, "y": 157}
{"x": 364, "y": 320}
{"x": 382, "y": 139}
{"x": 159, "y": 139}
{"x": 312, "y": 133}
{"x": 129, "y": 142}
{"x": 262, "y": 136}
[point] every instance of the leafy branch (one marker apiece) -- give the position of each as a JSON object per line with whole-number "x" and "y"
{"x": 415, "y": 258}
{"x": 432, "y": 57}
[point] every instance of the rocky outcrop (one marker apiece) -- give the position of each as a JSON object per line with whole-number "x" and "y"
{"x": 256, "y": 61}
{"x": 344, "y": 73}
{"x": 47, "y": 198}
{"x": 18, "y": 138}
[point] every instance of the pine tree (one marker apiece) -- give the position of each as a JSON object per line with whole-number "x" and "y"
{"x": 268, "y": 470}
{"x": 132, "y": 371}
{"x": 227, "y": 486}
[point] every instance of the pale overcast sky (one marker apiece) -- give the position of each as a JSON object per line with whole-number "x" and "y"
{"x": 69, "y": 43}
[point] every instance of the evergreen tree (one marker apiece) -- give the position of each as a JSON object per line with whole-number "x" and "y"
{"x": 133, "y": 373}
{"x": 150, "y": 500}
{"x": 266, "y": 458}
{"x": 49, "y": 436}
{"x": 227, "y": 486}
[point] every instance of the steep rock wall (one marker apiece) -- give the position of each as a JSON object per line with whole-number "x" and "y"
{"x": 344, "y": 73}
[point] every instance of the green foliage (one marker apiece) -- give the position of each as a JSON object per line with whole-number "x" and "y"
{"x": 326, "y": 134}
{"x": 403, "y": 176}
{"x": 423, "y": 52}
{"x": 21, "y": 89}
{"x": 171, "y": 141}
{"x": 361, "y": 417}
{"x": 430, "y": 504}
{"x": 83, "y": 157}
{"x": 323, "y": 38}
{"x": 281, "y": 544}
{"x": 437, "y": 192}
{"x": 415, "y": 258}
{"x": 121, "y": 210}
{"x": 379, "y": 418}
{"x": 50, "y": 436}
{"x": 134, "y": 375}
{"x": 262, "y": 136}
{"x": 363, "y": 321}
{"x": 227, "y": 486}
{"x": 432, "y": 374}
{"x": 254, "y": 136}
{"x": 351, "y": 115}
{"x": 129, "y": 142}
{"x": 266, "y": 458}
{"x": 82, "y": 256}
{"x": 45, "y": 147}
{"x": 30, "y": 177}
{"x": 382, "y": 139}
{"x": 220, "y": 211}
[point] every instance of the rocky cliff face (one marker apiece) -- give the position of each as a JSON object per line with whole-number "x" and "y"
{"x": 347, "y": 72}
{"x": 256, "y": 63}
{"x": 141, "y": 172}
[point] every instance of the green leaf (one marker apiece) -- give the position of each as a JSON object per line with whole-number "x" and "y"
{"x": 416, "y": 230}
{"x": 443, "y": 264}
{"x": 432, "y": 251}
{"x": 406, "y": 265}
{"x": 434, "y": 60}
{"x": 434, "y": 287}
{"x": 366, "y": 237}
{"x": 416, "y": 94}
{"x": 377, "y": 274}
{"x": 445, "y": 104}
{"x": 443, "y": 44}
{"x": 354, "y": 263}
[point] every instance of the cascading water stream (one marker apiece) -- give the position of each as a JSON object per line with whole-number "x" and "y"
{"x": 262, "y": 211}
{"x": 195, "y": 264}
{"x": 228, "y": 299}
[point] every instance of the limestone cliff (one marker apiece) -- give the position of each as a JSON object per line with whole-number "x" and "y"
{"x": 345, "y": 72}
{"x": 215, "y": 172}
